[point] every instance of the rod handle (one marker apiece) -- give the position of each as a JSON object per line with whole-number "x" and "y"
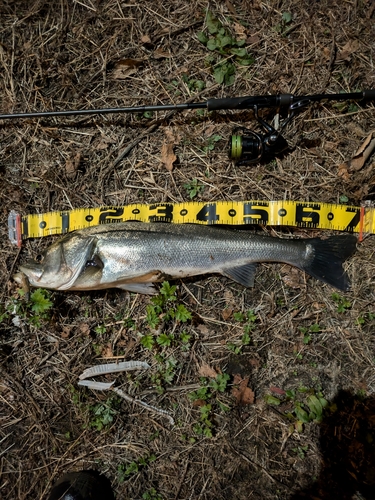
{"x": 369, "y": 95}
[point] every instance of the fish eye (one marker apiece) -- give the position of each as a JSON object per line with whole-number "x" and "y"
{"x": 39, "y": 258}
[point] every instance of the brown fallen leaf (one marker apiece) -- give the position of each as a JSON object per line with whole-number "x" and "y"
{"x": 167, "y": 155}
{"x": 253, "y": 39}
{"x": 363, "y": 153}
{"x": 107, "y": 351}
{"x": 240, "y": 31}
{"x": 205, "y": 370}
{"x": 84, "y": 329}
{"x": 360, "y": 157}
{"x": 277, "y": 390}
{"x": 203, "y": 330}
{"x": 125, "y": 68}
{"x": 160, "y": 54}
{"x": 243, "y": 394}
{"x": 348, "y": 49}
{"x": 66, "y": 331}
{"x": 145, "y": 39}
{"x": 72, "y": 164}
{"x": 292, "y": 276}
{"x": 226, "y": 313}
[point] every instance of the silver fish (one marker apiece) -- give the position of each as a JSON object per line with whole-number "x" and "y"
{"x": 134, "y": 255}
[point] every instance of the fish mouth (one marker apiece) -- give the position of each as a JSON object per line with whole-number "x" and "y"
{"x": 32, "y": 270}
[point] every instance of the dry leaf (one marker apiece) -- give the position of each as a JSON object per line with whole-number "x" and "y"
{"x": 360, "y": 157}
{"x": 253, "y": 39}
{"x": 72, "y": 165}
{"x": 167, "y": 156}
{"x": 125, "y": 68}
{"x": 231, "y": 9}
{"x": 84, "y": 329}
{"x": 107, "y": 351}
{"x": 145, "y": 39}
{"x": 243, "y": 394}
{"x": 205, "y": 370}
{"x": 160, "y": 54}
{"x": 363, "y": 153}
{"x": 292, "y": 277}
{"x": 277, "y": 390}
{"x": 327, "y": 53}
{"x": 349, "y": 48}
{"x": 204, "y": 330}
{"x": 240, "y": 31}
{"x": 66, "y": 330}
{"x": 226, "y": 313}
{"x": 198, "y": 403}
{"x": 255, "y": 363}
{"x": 343, "y": 172}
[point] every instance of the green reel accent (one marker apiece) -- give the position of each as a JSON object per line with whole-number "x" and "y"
{"x": 235, "y": 150}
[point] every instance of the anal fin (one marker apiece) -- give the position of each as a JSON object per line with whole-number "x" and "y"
{"x": 244, "y": 274}
{"x": 146, "y": 288}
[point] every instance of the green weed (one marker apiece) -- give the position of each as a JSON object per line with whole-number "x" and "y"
{"x": 211, "y": 141}
{"x": 284, "y": 26}
{"x": 207, "y": 394}
{"x": 248, "y": 320}
{"x": 193, "y": 188}
{"x": 307, "y": 331}
{"x": 365, "y": 318}
{"x": 124, "y": 471}
{"x": 310, "y": 408}
{"x": 102, "y": 414}
{"x": 228, "y": 52}
{"x": 342, "y": 303}
{"x": 152, "y": 494}
{"x": 34, "y": 311}
{"x": 301, "y": 451}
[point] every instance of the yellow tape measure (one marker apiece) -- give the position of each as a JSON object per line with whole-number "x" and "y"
{"x": 272, "y": 213}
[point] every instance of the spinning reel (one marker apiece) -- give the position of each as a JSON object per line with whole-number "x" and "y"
{"x": 251, "y": 147}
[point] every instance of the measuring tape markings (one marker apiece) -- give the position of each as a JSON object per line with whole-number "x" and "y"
{"x": 302, "y": 214}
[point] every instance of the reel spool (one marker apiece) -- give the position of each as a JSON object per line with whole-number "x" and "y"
{"x": 251, "y": 147}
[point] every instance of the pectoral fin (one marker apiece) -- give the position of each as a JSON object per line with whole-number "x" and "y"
{"x": 244, "y": 275}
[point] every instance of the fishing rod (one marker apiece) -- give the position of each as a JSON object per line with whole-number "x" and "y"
{"x": 244, "y": 148}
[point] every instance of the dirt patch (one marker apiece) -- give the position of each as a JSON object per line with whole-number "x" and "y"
{"x": 291, "y": 338}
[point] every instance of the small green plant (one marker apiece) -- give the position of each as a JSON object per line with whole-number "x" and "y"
{"x": 207, "y": 396}
{"x": 35, "y": 310}
{"x": 166, "y": 318}
{"x": 211, "y": 141}
{"x": 100, "y": 329}
{"x": 102, "y": 414}
{"x": 301, "y": 451}
{"x": 307, "y": 331}
{"x": 162, "y": 308}
{"x": 166, "y": 371}
{"x": 124, "y": 471}
{"x": 248, "y": 319}
{"x": 365, "y": 318}
{"x": 307, "y": 409}
{"x": 343, "y": 199}
{"x": 152, "y": 494}
{"x": 40, "y": 302}
{"x": 284, "y": 26}
{"x": 193, "y": 188}
{"x": 342, "y": 303}
{"x": 193, "y": 84}
{"x": 228, "y": 53}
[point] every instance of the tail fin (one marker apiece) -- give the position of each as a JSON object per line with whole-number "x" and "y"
{"x": 328, "y": 257}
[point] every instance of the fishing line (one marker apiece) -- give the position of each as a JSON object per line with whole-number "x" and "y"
{"x": 302, "y": 214}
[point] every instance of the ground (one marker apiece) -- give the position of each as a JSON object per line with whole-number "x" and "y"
{"x": 271, "y": 388}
